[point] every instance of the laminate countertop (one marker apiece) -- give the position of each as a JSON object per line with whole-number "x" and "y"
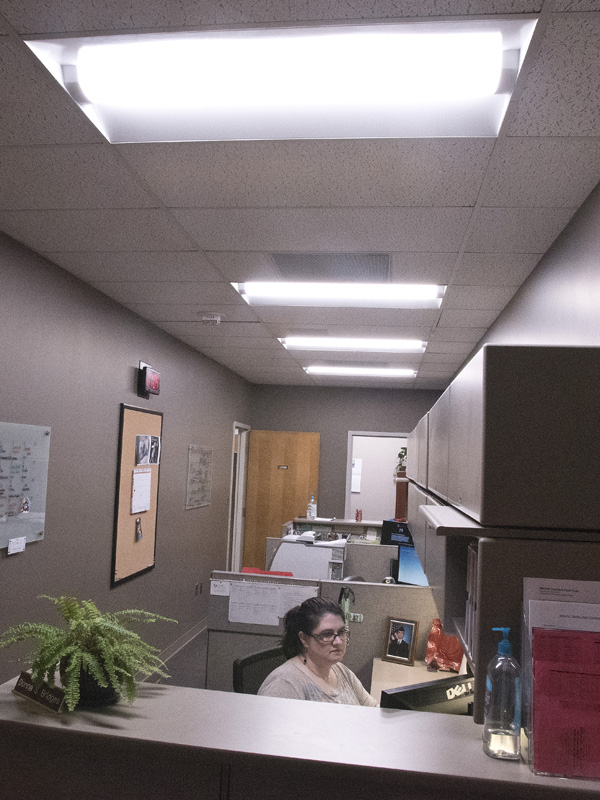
{"x": 179, "y": 742}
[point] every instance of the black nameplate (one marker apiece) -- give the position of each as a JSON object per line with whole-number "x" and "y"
{"x": 49, "y": 697}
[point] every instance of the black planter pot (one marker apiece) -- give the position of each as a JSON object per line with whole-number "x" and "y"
{"x": 91, "y": 694}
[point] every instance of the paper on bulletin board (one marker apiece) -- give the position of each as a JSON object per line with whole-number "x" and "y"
{"x": 141, "y": 487}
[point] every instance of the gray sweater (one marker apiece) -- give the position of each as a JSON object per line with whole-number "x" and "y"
{"x": 290, "y": 681}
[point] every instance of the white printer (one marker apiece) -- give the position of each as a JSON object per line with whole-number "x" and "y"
{"x": 306, "y": 558}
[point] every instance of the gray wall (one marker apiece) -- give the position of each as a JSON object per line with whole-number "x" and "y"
{"x": 68, "y": 359}
{"x": 333, "y": 412}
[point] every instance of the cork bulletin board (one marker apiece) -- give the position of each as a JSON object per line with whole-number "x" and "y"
{"x": 136, "y": 499}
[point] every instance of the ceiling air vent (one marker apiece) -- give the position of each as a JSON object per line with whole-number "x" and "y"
{"x": 333, "y": 267}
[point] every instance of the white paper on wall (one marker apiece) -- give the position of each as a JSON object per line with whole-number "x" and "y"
{"x": 356, "y": 474}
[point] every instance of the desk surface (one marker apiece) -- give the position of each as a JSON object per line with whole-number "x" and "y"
{"x": 224, "y": 727}
{"x": 389, "y": 675}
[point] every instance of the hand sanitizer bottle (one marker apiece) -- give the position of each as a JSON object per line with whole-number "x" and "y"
{"x": 502, "y": 710}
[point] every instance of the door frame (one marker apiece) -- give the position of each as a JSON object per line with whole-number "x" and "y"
{"x": 351, "y": 434}
{"x": 237, "y": 496}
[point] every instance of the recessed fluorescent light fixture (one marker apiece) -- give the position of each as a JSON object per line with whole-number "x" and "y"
{"x": 359, "y": 295}
{"x": 362, "y": 372}
{"x": 356, "y": 345}
{"x": 387, "y": 80}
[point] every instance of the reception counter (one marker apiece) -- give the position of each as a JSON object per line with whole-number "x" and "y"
{"x": 175, "y": 742}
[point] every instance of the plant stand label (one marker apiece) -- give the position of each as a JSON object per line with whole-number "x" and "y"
{"x": 49, "y": 697}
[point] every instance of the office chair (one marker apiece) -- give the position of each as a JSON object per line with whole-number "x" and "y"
{"x": 250, "y": 671}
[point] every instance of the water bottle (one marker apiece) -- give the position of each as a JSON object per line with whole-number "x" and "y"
{"x": 502, "y": 710}
{"x": 311, "y": 511}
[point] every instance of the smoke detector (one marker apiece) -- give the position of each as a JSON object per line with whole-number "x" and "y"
{"x": 211, "y": 319}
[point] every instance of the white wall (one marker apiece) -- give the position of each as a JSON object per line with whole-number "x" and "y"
{"x": 377, "y": 496}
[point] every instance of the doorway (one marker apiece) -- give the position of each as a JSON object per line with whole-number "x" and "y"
{"x": 370, "y": 485}
{"x": 237, "y": 496}
{"x": 283, "y": 471}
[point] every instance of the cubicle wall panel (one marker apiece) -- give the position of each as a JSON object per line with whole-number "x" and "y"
{"x": 416, "y": 522}
{"x": 502, "y": 565}
{"x": 373, "y": 562}
{"x": 223, "y": 649}
{"x": 228, "y": 639}
{"x": 435, "y": 554}
{"x": 377, "y": 603}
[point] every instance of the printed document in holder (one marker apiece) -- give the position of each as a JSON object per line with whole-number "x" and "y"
{"x": 312, "y": 560}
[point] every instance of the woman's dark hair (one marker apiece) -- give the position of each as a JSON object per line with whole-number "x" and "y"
{"x": 306, "y": 618}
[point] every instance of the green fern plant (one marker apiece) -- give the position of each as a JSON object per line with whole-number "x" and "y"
{"x": 98, "y": 643}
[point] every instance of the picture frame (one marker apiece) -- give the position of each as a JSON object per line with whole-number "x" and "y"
{"x": 401, "y": 641}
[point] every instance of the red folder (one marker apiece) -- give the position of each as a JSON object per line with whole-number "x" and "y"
{"x": 566, "y": 703}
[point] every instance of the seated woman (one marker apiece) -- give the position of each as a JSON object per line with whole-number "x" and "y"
{"x": 315, "y": 640}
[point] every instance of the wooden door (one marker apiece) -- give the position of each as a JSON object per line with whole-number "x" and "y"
{"x": 283, "y": 471}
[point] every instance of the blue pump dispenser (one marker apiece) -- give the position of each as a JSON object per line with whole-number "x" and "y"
{"x": 502, "y": 712}
{"x": 504, "y": 645}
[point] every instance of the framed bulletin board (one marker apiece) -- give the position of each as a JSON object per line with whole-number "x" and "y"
{"x": 136, "y": 499}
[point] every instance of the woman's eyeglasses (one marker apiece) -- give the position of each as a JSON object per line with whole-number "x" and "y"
{"x": 329, "y": 636}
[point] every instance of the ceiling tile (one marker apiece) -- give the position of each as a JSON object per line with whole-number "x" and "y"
{"x": 327, "y": 230}
{"x": 294, "y": 379}
{"x": 100, "y": 229}
{"x": 560, "y": 96}
{"x": 516, "y": 230}
{"x": 258, "y": 357}
{"x": 519, "y": 176}
{"x": 169, "y": 292}
{"x": 192, "y": 312}
{"x": 437, "y": 371}
{"x": 494, "y": 269}
{"x": 41, "y": 16}
{"x": 465, "y": 318}
{"x": 62, "y": 176}
{"x": 157, "y": 266}
{"x": 430, "y": 383}
{"x": 422, "y": 267}
{"x": 459, "y": 348}
{"x": 447, "y": 360}
{"x": 493, "y": 298}
{"x": 576, "y": 5}
{"x": 216, "y": 334}
{"x": 363, "y": 383}
{"x": 243, "y": 343}
{"x": 35, "y": 108}
{"x": 365, "y": 172}
{"x": 467, "y": 335}
{"x": 306, "y": 357}
{"x": 240, "y": 267}
{"x": 349, "y": 329}
{"x": 345, "y": 316}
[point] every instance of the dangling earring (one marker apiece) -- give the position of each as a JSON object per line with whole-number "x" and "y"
{"x": 304, "y": 657}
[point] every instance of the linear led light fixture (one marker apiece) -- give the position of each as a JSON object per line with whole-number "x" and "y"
{"x": 420, "y": 79}
{"x": 359, "y": 295}
{"x": 353, "y": 344}
{"x": 362, "y": 372}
